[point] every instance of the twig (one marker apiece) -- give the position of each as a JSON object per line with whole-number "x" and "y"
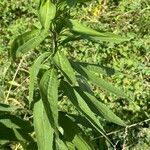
{"x": 25, "y": 80}
{"x": 18, "y": 146}
{"x": 130, "y": 126}
{"x": 14, "y": 77}
{"x": 115, "y": 146}
{"x": 124, "y": 138}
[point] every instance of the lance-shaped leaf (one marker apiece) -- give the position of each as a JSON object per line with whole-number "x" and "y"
{"x": 81, "y": 105}
{"x": 99, "y": 69}
{"x": 34, "y": 72}
{"x": 14, "y": 134}
{"x": 76, "y": 136}
{"x": 47, "y": 13}
{"x": 99, "y": 108}
{"x": 49, "y": 92}
{"x": 27, "y": 41}
{"x": 21, "y": 40}
{"x": 83, "y": 84}
{"x": 63, "y": 64}
{"x": 7, "y": 108}
{"x": 43, "y": 130}
{"x": 91, "y": 34}
{"x": 98, "y": 81}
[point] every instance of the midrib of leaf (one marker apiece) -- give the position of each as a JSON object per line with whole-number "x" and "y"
{"x": 31, "y": 43}
{"x": 43, "y": 130}
{"x": 33, "y": 74}
{"x": 64, "y": 69}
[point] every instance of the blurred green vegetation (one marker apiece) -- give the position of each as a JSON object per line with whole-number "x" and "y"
{"x": 131, "y": 60}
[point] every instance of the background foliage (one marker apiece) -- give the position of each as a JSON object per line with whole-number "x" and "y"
{"x": 131, "y": 60}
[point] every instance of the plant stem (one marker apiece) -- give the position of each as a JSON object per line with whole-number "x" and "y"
{"x": 54, "y": 41}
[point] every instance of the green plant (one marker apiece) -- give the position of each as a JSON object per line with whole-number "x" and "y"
{"x": 59, "y": 77}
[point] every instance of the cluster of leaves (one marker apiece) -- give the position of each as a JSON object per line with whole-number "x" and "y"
{"x": 130, "y": 58}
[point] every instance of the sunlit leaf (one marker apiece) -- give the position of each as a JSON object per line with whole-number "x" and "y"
{"x": 14, "y": 83}
{"x": 99, "y": 69}
{"x": 61, "y": 145}
{"x": 27, "y": 41}
{"x": 49, "y": 92}
{"x": 91, "y": 34}
{"x": 34, "y": 72}
{"x": 47, "y": 13}
{"x": 43, "y": 130}
{"x": 63, "y": 64}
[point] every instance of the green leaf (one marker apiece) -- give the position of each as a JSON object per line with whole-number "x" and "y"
{"x": 64, "y": 65}
{"x": 47, "y": 13}
{"x": 27, "y": 41}
{"x": 14, "y": 134}
{"x": 100, "y": 108}
{"x": 98, "y": 81}
{"x": 98, "y": 68}
{"x": 34, "y": 72}
{"x": 80, "y": 120}
{"x": 70, "y": 146}
{"x": 12, "y": 121}
{"x": 76, "y": 136}
{"x": 7, "y": 108}
{"x": 49, "y": 92}
{"x": 43, "y": 130}
{"x": 81, "y": 105}
{"x": 91, "y": 34}
{"x": 61, "y": 145}
{"x": 83, "y": 84}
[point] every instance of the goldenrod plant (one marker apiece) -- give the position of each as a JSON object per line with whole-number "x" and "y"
{"x": 58, "y": 76}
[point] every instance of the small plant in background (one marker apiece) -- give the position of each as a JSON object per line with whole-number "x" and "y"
{"x": 60, "y": 77}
